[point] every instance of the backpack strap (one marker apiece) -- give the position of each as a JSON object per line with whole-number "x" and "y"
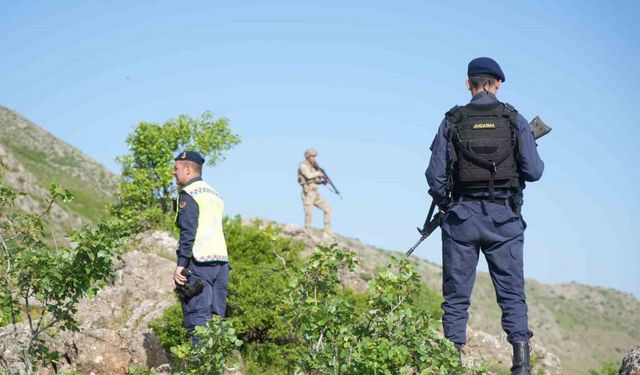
{"x": 512, "y": 114}
{"x": 453, "y": 116}
{"x": 509, "y": 108}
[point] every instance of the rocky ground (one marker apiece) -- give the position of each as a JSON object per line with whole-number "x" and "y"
{"x": 114, "y": 334}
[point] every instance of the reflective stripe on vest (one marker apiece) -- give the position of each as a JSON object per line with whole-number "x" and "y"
{"x": 209, "y": 245}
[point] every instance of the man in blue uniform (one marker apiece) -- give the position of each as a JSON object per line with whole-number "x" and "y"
{"x": 201, "y": 248}
{"x": 480, "y": 159}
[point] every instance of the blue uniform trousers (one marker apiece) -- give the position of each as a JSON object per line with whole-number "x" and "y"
{"x": 197, "y": 310}
{"x": 493, "y": 227}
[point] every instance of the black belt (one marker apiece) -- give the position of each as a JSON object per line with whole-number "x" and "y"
{"x": 496, "y": 200}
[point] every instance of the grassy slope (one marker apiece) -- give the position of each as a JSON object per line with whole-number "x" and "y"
{"x": 49, "y": 159}
{"x": 584, "y": 325}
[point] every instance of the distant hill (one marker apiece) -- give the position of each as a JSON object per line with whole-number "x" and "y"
{"x": 33, "y": 158}
{"x": 584, "y": 325}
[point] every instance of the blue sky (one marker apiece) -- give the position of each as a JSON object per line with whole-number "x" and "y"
{"x": 366, "y": 83}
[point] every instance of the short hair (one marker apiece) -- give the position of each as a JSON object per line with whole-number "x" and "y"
{"x": 197, "y": 168}
{"x": 480, "y": 82}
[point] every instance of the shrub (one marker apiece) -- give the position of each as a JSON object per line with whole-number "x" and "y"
{"x": 169, "y": 329}
{"x": 44, "y": 284}
{"x": 609, "y": 368}
{"x": 389, "y": 337}
{"x": 217, "y": 342}
{"x": 295, "y": 317}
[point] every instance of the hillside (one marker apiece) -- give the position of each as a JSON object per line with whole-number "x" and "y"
{"x": 114, "y": 313}
{"x": 33, "y": 158}
{"x": 584, "y": 326}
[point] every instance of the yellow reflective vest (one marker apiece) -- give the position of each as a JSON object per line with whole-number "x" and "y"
{"x": 209, "y": 244}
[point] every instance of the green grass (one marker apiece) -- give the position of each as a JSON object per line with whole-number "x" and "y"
{"x": 89, "y": 203}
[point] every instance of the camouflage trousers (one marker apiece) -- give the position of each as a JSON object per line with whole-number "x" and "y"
{"x": 312, "y": 198}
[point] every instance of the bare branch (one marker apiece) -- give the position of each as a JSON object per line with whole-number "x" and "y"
{"x": 6, "y": 251}
{"x": 284, "y": 262}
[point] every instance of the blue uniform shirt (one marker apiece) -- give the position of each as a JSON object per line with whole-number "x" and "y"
{"x": 187, "y": 221}
{"x": 530, "y": 166}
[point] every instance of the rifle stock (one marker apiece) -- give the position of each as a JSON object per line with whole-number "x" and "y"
{"x": 539, "y": 128}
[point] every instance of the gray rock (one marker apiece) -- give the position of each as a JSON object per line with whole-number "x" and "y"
{"x": 114, "y": 335}
{"x": 484, "y": 347}
{"x": 114, "y": 325}
{"x": 155, "y": 242}
{"x": 631, "y": 362}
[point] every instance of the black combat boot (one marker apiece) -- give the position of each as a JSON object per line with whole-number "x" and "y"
{"x": 459, "y": 350}
{"x": 521, "y": 358}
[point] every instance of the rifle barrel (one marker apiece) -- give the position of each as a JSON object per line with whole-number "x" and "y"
{"x": 422, "y": 238}
{"x": 335, "y": 189}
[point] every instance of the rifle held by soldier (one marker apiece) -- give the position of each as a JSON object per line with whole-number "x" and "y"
{"x": 539, "y": 129}
{"x": 327, "y": 179}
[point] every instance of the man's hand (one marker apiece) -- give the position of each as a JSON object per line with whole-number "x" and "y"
{"x": 178, "y": 278}
{"x": 444, "y": 203}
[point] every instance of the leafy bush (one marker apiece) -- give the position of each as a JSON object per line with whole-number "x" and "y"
{"x": 169, "y": 328}
{"x": 295, "y": 317}
{"x": 609, "y": 368}
{"x": 45, "y": 283}
{"x": 389, "y": 337}
{"x": 429, "y": 300}
{"x": 217, "y": 342}
{"x": 257, "y": 280}
{"x": 260, "y": 259}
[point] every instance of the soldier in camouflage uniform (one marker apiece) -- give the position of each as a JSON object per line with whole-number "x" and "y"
{"x": 309, "y": 177}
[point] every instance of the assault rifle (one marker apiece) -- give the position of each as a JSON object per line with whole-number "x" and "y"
{"x": 539, "y": 129}
{"x": 327, "y": 179}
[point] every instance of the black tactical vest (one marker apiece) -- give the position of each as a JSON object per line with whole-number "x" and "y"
{"x": 485, "y": 144}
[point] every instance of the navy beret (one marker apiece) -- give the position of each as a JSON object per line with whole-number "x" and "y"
{"x": 190, "y": 156}
{"x": 484, "y": 66}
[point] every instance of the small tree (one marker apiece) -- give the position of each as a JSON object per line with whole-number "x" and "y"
{"x": 43, "y": 284}
{"x": 390, "y": 336}
{"x": 147, "y": 185}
